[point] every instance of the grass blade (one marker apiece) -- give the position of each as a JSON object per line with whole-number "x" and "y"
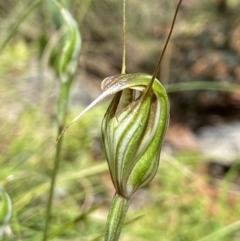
{"x": 202, "y": 85}
{"x": 17, "y": 24}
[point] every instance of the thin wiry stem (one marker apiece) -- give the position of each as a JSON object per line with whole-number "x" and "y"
{"x": 62, "y": 113}
{"x": 52, "y": 187}
{"x": 124, "y": 39}
{"x": 165, "y": 47}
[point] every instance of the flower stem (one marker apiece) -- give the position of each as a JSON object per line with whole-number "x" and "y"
{"x": 157, "y": 68}
{"x": 116, "y": 217}
{"x": 124, "y": 39}
{"x": 62, "y": 112}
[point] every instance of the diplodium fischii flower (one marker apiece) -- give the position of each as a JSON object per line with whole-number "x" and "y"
{"x": 133, "y": 129}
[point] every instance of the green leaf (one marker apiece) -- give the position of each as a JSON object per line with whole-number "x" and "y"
{"x": 6, "y": 209}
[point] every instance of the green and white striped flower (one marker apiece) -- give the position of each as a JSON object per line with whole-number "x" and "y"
{"x": 133, "y": 129}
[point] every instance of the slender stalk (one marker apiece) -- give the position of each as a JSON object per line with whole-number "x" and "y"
{"x": 165, "y": 47}
{"x": 116, "y": 217}
{"x": 62, "y": 112}
{"x": 124, "y": 38}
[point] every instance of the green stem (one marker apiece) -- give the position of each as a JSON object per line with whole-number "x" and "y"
{"x": 63, "y": 103}
{"x": 116, "y": 217}
{"x": 62, "y": 112}
{"x": 124, "y": 39}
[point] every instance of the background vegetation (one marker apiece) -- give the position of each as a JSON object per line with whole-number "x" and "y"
{"x": 181, "y": 203}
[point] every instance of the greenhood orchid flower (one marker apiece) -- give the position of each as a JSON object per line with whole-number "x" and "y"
{"x": 133, "y": 129}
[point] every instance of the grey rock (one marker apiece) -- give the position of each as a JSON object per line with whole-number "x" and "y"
{"x": 220, "y": 143}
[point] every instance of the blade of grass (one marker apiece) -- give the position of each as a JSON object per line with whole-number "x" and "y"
{"x": 71, "y": 223}
{"x": 222, "y": 232}
{"x": 23, "y": 199}
{"x": 17, "y": 24}
{"x": 202, "y": 85}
